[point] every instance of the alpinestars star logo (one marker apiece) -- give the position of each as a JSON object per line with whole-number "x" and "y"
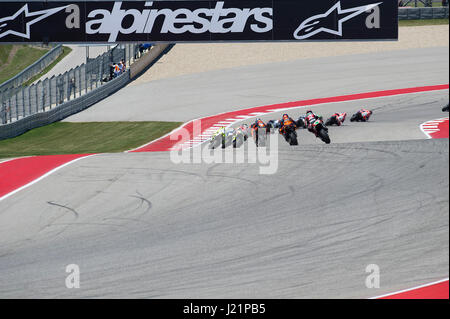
{"x": 330, "y": 22}
{"x": 14, "y": 24}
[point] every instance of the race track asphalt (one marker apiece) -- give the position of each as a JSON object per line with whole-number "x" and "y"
{"x": 140, "y": 226}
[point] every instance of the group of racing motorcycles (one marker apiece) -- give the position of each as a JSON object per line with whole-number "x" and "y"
{"x": 286, "y": 126}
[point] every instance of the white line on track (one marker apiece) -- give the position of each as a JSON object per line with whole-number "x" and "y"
{"x": 410, "y": 289}
{"x": 426, "y": 128}
{"x": 43, "y": 176}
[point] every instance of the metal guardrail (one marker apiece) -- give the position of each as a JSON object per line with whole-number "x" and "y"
{"x": 32, "y": 69}
{"x": 423, "y": 13}
{"x": 423, "y": 3}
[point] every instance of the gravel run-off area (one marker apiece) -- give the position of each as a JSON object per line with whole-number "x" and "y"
{"x": 201, "y": 57}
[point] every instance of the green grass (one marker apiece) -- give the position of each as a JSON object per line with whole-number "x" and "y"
{"x": 24, "y": 56}
{"x": 82, "y": 138}
{"x": 5, "y": 49}
{"x": 413, "y": 23}
{"x": 65, "y": 51}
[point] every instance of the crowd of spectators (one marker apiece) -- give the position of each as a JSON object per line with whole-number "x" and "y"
{"x": 116, "y": 69}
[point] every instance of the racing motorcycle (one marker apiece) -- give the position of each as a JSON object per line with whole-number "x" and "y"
{"x": 239, "y": 137}
{"x": 361, "y": 116}
{"x": 336, "y": 119}
{"x": 301, "y": 122}
{"x": 259, "y": 134}
{"x": 272, "y": 125}
{"x": 289, "y": 133}
{"x": 320, "y": 130}
{"x": 445, "y": 108}
{"x": 222, "y": 137}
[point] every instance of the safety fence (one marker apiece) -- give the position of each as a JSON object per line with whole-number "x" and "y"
{"x": 423, "y": 3}
{"x": 32, "y": 69}
{"x": 90, "y": 87}
{"x": 19, "y": 102}
{"x": 423, "y": 13}
{"x": 64, "y": 110}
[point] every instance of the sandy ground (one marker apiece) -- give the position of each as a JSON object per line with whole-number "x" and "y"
{"x": 194, "y": 58}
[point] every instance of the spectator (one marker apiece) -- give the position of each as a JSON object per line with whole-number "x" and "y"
{"x": 144, "y": 47}
{"x": 124, "y": 65}
{"x": 116, "y": 70}
{"x": 120, "y": 64}
{"x": 445, "y": 3}
{"x": 111, "y": 71}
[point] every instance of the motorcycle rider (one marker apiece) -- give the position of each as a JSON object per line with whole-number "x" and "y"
{"x": 310, "y": 118}
{"x": 445, "y": 108}
{"x": 286, "y": 120}
{"x": 365, "y": 114}
{"x": 227, "y": 134}
{"x": 244, "y": 130}
{"x": 258, "y": 124}
{"x": 274, "y": 123}
{"x": 340, "y": 118}
{"x": 221, "y": 130}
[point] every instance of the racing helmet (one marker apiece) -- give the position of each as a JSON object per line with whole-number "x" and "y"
{"x": 285, "y": 116}
{"x": 308, "y": 111}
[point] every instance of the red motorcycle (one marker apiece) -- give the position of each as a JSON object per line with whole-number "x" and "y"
{"x": 361, "y": 116}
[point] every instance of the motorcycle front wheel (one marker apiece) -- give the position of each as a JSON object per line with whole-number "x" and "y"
{"x": 324, "y": 136}
{"x": 293, "y": 139}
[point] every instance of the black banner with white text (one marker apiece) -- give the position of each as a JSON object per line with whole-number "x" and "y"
{"x": 197, "y": 21}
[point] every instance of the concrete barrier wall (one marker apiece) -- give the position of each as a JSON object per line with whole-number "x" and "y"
{"x": 74, "y": 106}
{"x": 148, "y": 59}
{"x": 422, "y": 13}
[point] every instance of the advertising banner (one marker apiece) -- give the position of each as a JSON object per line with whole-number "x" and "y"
{"x": 197, "y": 21}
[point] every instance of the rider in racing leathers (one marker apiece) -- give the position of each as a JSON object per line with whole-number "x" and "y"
{"x": 226, "y": 133}
{"x": 286, "y": 120}
{"x": 258, "y": 123}
{"x": 340, "y": 118}
{"x": 310, "y": 119}
{"x": 244, "y": 130}
{"x": 365, "y": 114}
{"x": 219, "y": 131}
